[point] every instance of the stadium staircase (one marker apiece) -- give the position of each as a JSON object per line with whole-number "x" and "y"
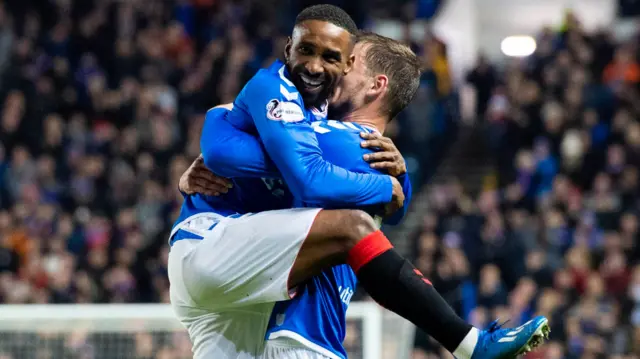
{"x": 469, "y": 161}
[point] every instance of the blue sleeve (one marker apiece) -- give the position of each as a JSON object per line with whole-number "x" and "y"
{"x": 291, "y": 143}
{"x": 406, "y": 189}
{"x": 229, "y": 152}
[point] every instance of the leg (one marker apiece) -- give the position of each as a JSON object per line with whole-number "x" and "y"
{"x": 247, "y": 260}
{"x": 226, "y": 274}
{"x": 331, "y": 237}
{"x": 352, "y": 236}
{"x": 214, "y": 331}
{"x": 259, "y": 258}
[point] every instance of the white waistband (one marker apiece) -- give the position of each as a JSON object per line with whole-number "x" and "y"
{"x": 198, "y": 223}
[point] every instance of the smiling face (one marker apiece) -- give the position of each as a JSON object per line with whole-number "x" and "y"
{"x": 318, "y": 55}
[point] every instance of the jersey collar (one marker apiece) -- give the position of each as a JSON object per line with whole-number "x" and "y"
{"x": 276, "y": 65}
{"x": 279, "y": 67}
{"x": 373, "y": 129}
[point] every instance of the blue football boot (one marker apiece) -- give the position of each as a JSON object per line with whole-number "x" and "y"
{"x": 498, "y": 343}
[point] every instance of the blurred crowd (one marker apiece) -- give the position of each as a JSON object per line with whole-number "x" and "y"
{"x": 101, "y": 107}
{"x": 555, "y": 230}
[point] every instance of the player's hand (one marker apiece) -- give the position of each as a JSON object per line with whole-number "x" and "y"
{"x": 387, "y": 157}
{"x": 397, "y": 198}
{"x": 198, "y": 179}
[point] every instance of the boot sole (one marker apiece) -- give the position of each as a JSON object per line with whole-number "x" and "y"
{"x": 537, "y": 339}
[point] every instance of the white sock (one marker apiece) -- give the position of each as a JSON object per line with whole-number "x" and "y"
{"x": 468, "y": 344}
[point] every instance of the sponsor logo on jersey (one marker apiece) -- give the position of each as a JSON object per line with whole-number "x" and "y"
{"x": 284, "y": 111}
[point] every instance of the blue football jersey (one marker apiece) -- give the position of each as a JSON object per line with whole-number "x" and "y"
{"x": 316, "y": 316}
{"x": 270, "y": 139}
{"x": 270, "y": 107}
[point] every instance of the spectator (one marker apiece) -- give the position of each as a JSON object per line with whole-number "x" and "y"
{"x": 623, "y": 69}
{"x": 483, "y": 79}
{"x": 563, "y": 128}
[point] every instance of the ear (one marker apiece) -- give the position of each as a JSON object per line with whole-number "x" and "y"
{"x": 349, "y": 65}
{"x": 287, "y": 49}
{"x": 378, "y": 86}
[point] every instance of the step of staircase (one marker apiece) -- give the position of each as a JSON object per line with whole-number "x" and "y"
{"x": 469, "y": 161}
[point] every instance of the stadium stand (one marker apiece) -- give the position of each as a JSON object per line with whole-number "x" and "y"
{"x": 102, "y": 104}
{"x": 554, "y": 230}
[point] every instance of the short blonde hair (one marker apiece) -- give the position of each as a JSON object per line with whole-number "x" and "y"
{"x": 396, "y": 61}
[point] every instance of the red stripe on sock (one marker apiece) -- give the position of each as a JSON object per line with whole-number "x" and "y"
{"x": 417, "y": 271}
{"x": 369, "y": 247}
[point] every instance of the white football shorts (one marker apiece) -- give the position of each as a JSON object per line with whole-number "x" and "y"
{"x": 224, "y": 286}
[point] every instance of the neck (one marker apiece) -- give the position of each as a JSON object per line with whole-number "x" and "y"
{"x": 367, "y": 117}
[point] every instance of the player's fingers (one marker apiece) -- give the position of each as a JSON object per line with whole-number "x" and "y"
{"x": 387, "y": 144}
{"x": 377, "y": 143}
{"x": 376, "y": 136}
{"x": 380, "y": 156}
{"x": 200, "y": 170}
{"x": 384, "y": 165}
{"x": 224, "y": 182}
{"x": 211, "y": 184}
{"x": 187, "y": 190}
{"x": 208, "y": 191}
{"x": 370, "y": 136}
{"x": 211, "y": 177}
{"x": 382, "y": 143}
{"x": 202, "y": 186}
{"x": 388, "y": 141}
{"x": 199, "y": 166}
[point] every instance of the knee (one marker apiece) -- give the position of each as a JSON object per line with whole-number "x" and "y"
{"x": 357, "y": 224}
{"x": 339, "y": 231}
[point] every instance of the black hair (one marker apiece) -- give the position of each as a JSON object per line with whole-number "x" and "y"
{"x": 328, "y": 13}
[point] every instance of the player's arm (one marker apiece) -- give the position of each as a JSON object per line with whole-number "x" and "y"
{"x": 407, "y": 190}
{"x": 199, "y": 179}
{"x": 291, "y": 143}
{"x": 230, "y": 152}
{"x": 388, "y": 159}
